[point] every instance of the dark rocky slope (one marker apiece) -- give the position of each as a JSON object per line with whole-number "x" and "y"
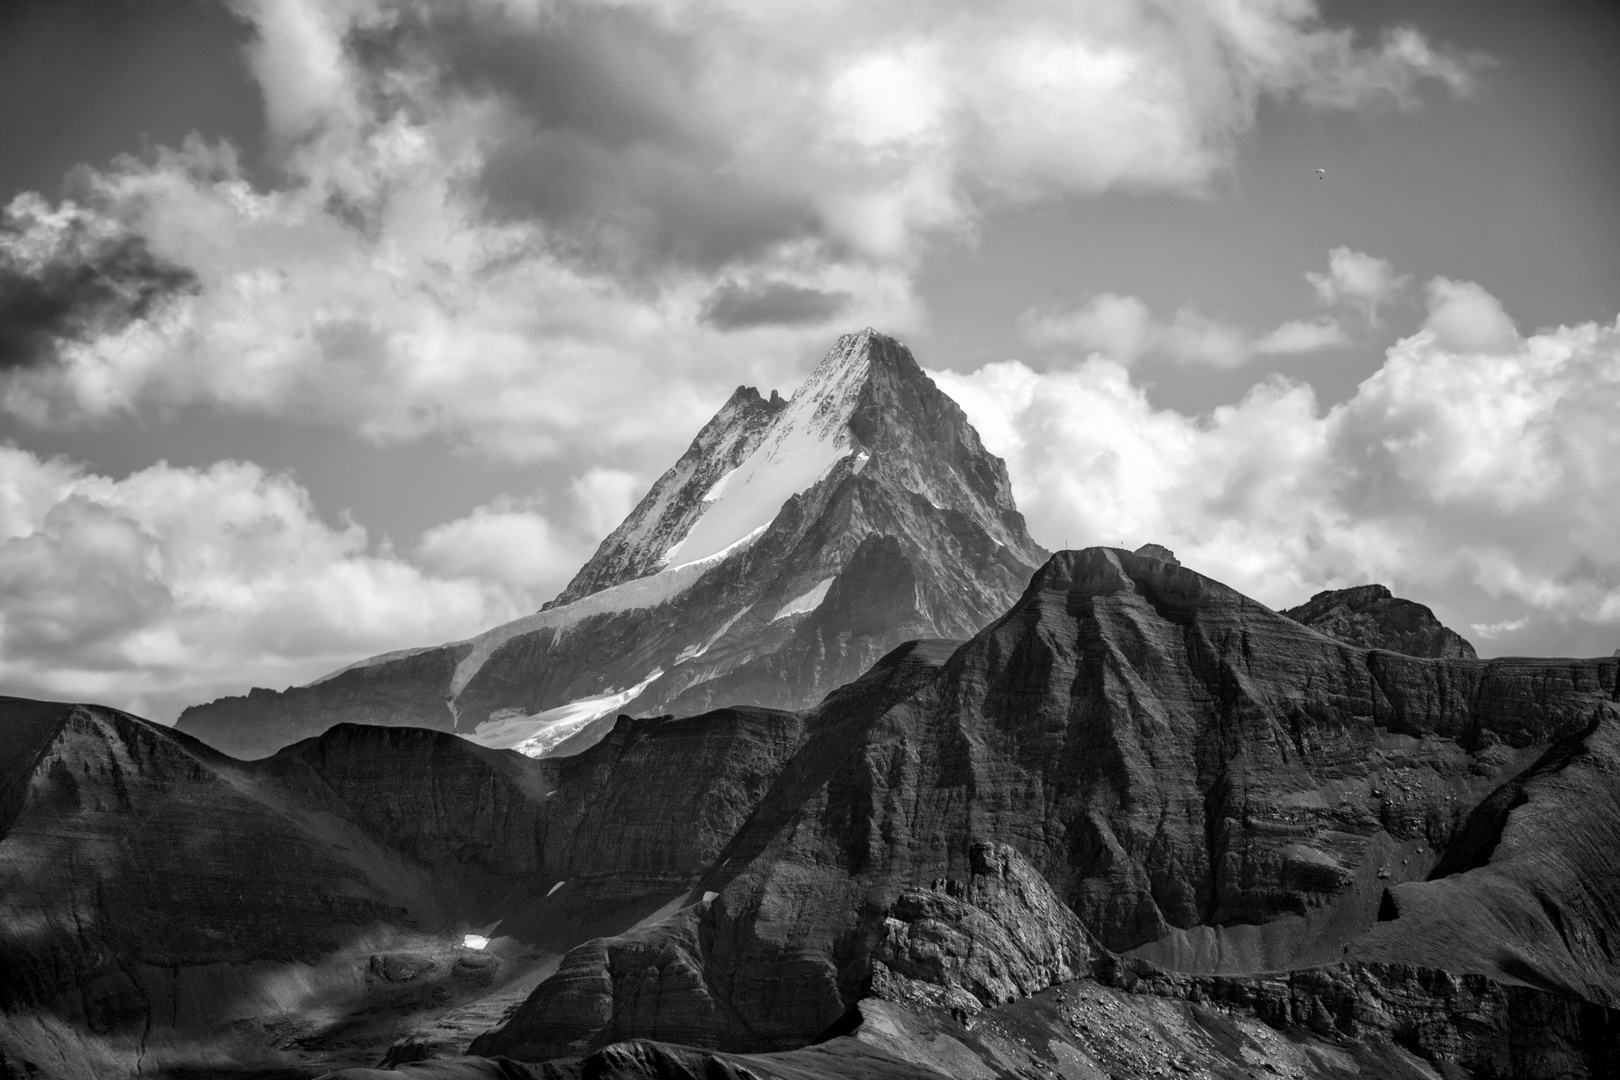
{"x": 1226, "y": 838}
{"x": 1210, "y": 788}
{"x": 1371, "y": 617}
{"x": 908, "y": 530}
{"x": 162, "y": 905}
{"x": 994, "y": 977}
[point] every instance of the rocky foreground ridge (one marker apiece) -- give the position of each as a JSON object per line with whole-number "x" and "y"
{"x": 1139, "y": 825}
{"x": 793, "y": 544}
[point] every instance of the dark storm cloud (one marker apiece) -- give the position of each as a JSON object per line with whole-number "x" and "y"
{"x": 606, "y": 143}
{"x": 770, "y": 303}
{"x": 85, "y": 288}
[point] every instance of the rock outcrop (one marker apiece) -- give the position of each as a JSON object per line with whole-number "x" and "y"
{"x": 790, "y": 547}
{"x": 1212, "y": 789}
{"x": 1002, "y": 936}
{"x": 1371, "y": 617}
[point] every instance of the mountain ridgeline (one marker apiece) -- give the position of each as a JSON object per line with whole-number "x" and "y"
{"x": 793, "y": 544}
{"x": 1139, "y": 824}
{"x": 820, "y": 769}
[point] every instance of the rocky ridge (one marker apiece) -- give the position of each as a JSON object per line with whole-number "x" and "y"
{"x": 1138, "y": 825}
{"x": 1211, "y": 789}
{"x": 163, "y": 906}
{"x": 790, "y": 547}
{"x": 1371, "y": 617}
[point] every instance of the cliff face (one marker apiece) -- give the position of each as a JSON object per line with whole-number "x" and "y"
{"x": 790, "y": 547}
{"x": 158, "y": 899}
{"x": 1138, "y": 821}
{"x": 1210, "y": 788}
{"x": 1370, "y": 617}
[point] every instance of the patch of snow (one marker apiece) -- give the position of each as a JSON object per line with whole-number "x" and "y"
{"x": 718, "y": 487}
{"x": 539, "y": 734}
{"x": 860, "y": 462}
{"x": 659, "y": 513}
{"x": 709, "y": 896}
{"x": 807, "y": 601}
{"x": 803, "y": 443}
{"x": 643, "y": 592}
{"x": 555, "y": 887}
{"x": 474, "y": 941}
{"x": 692, "y": 652}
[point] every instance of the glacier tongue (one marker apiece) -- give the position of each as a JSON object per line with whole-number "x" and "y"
{"x": 803, "y": 443}
{"x": 535, "y": 735}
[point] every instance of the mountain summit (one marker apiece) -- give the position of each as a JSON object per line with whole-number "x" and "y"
{"x": 793, "y": 544}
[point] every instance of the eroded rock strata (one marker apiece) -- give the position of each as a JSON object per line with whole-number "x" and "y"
{"x": 1372, "y": 617}
{"x": 1138, "y": 824}
{"x": 1210, "y": 789}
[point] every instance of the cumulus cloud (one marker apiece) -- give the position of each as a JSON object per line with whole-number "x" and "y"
{"x": 1357, "y": 279}
{"x": 508, "y": 543}
{"x": 520, "y": 225}
{"x": 1475, "y": 480}
{"x": 603, "y": 498}
{"x": 1302, "y": 336}
{"x": 698, "y": 131}
{"x": 1124, "y": 329}
{"x": 173, "y": 585}
{"x": 374, "y": 291}
{"x": 1121, "y": 327}
{"x": 1466, "y": 318}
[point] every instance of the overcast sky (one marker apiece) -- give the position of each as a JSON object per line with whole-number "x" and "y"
{"x": 329, "y": 327}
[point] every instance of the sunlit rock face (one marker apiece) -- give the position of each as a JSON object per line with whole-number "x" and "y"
{"x": 793, "y": 544}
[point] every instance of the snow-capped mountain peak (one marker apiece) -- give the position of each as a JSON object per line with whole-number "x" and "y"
{"x": 792, "y": 544}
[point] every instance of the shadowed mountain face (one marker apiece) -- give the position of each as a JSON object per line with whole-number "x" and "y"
{"x": 792, "y": 545}
{"x": 163, "y": 904}
{"x": 1225, "y": 839}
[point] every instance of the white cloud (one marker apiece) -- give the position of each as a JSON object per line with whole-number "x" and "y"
{"x": 174, "y": 585}
{"x": 1355, "y": 278}
{"x": 507, "y": 543}
{"x": 1479, "y": 482}
{"x": 605, "y": 497}
{"x": 645, "y": 156}
{"x": 1123, "y": 328}
{"x": 1466, "y": 318}
{"x": 1302, "y": 336}
{"x": 1491, "y": 631}
{"x": 299, "y": 61}
{"x": 1116, "y": 326}
{"x": 1193, "y": 338}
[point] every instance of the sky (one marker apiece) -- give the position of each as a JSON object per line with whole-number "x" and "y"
{"x": 331, "y": 327}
